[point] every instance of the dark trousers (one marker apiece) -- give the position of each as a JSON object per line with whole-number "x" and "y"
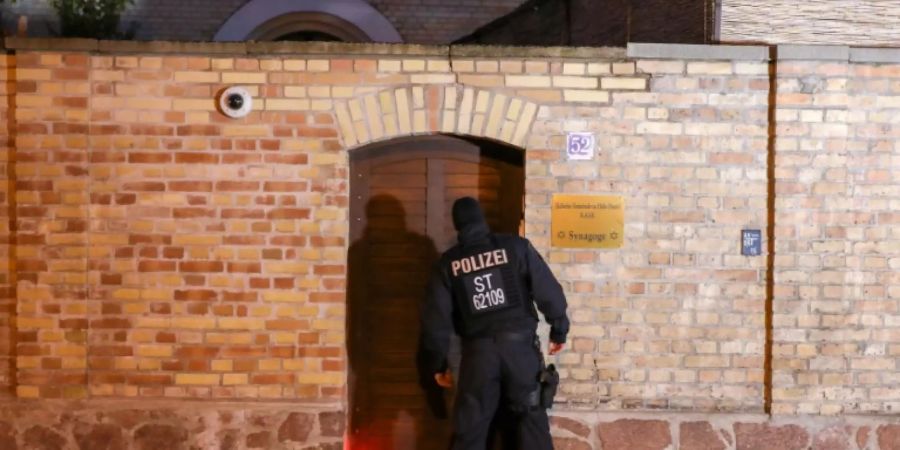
{"x": 495, "y": 370}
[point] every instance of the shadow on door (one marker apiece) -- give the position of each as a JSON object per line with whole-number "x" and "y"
{"x": 401, "y": 194}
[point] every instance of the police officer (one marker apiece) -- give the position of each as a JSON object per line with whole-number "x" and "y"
{"x": 485, "y": 289}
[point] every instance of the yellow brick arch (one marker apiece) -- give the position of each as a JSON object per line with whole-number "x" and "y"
{"x": 429, "y": 109}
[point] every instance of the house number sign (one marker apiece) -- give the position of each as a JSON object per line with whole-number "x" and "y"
{"x": 580, "y": 146}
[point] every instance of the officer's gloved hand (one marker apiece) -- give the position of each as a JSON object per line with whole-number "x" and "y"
{"x": 444, "y": 379}
{"x": 555, "y": 347}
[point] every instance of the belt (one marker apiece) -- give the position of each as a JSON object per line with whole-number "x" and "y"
{"x": 505, "y": 336}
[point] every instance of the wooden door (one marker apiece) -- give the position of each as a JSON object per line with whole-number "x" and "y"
{"x": 401, "y": 195}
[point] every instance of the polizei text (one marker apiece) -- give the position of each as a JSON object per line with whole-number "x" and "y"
{"x": 478, "y": 262}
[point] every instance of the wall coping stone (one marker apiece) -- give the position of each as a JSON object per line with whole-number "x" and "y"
{"x": 701, "y": 52}
{"x": 543, "y": 52}
{"x": 788, "y": 52}
{"x": 309, "y": 48}
{"x": 813, "y": 52}
{"x": 875, "y": 55}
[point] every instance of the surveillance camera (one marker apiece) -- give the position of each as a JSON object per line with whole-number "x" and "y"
{"x": 235, "y": 102}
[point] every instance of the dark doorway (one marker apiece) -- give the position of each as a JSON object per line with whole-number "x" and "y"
{"x": 401, "y": 194}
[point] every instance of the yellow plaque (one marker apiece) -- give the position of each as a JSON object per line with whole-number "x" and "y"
{"x": 587, "y": 221}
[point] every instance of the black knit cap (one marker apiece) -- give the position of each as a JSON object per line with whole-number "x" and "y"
{"x": 466, "y": 211}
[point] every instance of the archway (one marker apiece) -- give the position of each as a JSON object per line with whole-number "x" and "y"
{"x": 348, "y": 20}
{"x": 401, "y": 192}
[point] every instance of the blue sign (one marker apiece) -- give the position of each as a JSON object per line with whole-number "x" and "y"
{"x": 751, "y": 242}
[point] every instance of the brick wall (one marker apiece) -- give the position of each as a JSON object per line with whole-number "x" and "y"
{"x": 857, "y": 22}
{"x": 418, "y": 21}
{"x": 837, "y": 300}
{"x": 172, "y": 252}
{"x": 674, "y": 319}
{"x": 7, "y": 210}
{"x": 164, "y": 251}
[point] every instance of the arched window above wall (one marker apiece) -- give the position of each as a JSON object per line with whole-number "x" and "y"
{"x": 335, "y": 20}
{"x": 308, "y": 26}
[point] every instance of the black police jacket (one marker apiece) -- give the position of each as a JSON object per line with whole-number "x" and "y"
{"x": 463, "y": 295}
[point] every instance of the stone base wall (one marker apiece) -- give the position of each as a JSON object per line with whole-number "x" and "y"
{"x": 174, "y": 425}
{"x": 134, "y": 424}
{"x": 651, "y": 431}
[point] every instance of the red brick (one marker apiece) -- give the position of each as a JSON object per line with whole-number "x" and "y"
{"x": 282, "y": 378}
{"x": 199, "y": 130}
{"x": 110, "y": 323}
{"x": 264, "y": 199}
{"x": 70, "y": 74}
{"x": 288, "y": 213}
{"x": 110, "y": 350}
{"x": 324, "y": 119}
{"x": 193, "y": 213}
{"x": 196, "y": 295}
{"x": 287, "y": 324}
{"x": 156, "y": 266}
{"x": 190, "y": 186}
{"x": 244, "y": 267}
{"x": 315, "y": 132}
{"x": 196, "y": 158}
{"x": 269, "y": 144}
{"x": 173, "y": 365}
{"x": 326, "y": 241}
{"x": 319, "y": 352}
{"x": 151, "y": 130}
{"x": 29, "y": 350}
{"x": 173, "y": 252}
{"x": 230, "y": 213}
{"x": 144, "y": 186}
{"x": 243, "y": 352}
{"x": 299, "y": 158}
{"x": 34, "y": 185}
{"x": 126, "y": 199}
{"x": 197, "y": 351}
{"x": 328, "y": 270}
{"x": 107, "y": 378}
{"x": 198, "y": 309}
{"x": 111, "y": 309}
{"x": 201, "y": 266}
{"x": 242, "y": 158}
{"x": 225, "y": 186}
{"x": 283, "y": 283}
{"x": 157, "y": 239}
